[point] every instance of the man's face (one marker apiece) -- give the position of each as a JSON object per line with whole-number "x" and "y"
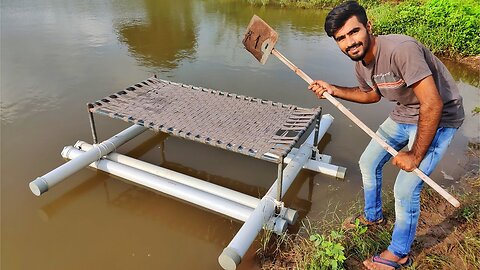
{"x": 354, "y": 39}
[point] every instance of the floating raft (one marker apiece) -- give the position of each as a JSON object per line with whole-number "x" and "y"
{"x": 279, "y": 133}
{"x": 250, "y": 126}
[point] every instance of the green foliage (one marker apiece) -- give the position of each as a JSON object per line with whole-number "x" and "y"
{"x": 359, "y": 242}
{"x": 444, "y": 26}
{"x": 328, "y": 252}
{"x": 359, "y": 228}
{"x": 476, "y": 110}
{"x": 468, "y": 213}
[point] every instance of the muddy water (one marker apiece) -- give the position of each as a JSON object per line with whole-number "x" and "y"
{"x": 58, "y": 55}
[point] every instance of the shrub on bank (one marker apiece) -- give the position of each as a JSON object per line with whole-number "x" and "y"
{"x": 449, "y": 27}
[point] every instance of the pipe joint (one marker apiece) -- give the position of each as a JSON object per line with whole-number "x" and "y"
{"x": 289, "y": 215}
{"x": 277, "y": 225}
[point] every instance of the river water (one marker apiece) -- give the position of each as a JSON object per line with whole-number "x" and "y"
{"x": 58, "y": 55}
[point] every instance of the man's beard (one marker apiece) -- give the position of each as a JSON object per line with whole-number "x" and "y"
{"x": 359, "y": 57}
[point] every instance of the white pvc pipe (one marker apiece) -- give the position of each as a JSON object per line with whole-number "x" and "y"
{"x": 318, "y": 166}
{"x": 169, "y": 187}
{"x": 217, "y": 190}
{"x": 47, "y": 181}
{"x": 233, "y": 253}
{"x": 321, "y": 167}
{"x": 326, "y": 168}
{"x": 289, "y": 215}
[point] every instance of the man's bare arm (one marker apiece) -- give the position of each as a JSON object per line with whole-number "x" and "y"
{"x": 354, "y": 94}
{"x": 431, "y": 106}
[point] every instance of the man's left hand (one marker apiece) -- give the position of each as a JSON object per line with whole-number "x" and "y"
{"x": 406, "y": 161}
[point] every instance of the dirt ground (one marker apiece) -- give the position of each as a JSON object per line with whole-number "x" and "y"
{"x": 473, "y": 62}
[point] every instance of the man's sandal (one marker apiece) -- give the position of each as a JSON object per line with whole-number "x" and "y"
{"x": 395, "y": 265}
{"x": 350, "y": 222}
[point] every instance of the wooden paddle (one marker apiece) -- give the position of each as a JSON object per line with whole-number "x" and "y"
{"x": 260, "y": 40}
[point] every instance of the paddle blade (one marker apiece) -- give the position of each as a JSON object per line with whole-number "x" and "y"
{"x": 259, "y": 39}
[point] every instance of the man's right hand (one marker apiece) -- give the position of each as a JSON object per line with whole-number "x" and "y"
{"x": 319, "y": 87}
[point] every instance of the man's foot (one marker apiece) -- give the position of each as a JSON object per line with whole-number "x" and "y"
{"x": 350, "y": 222}
{"x": 387, "y": 261}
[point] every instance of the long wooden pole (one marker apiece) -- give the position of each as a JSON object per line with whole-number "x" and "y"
{"x": 365, "y": 128}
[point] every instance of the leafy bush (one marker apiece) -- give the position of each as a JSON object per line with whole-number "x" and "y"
{"x": 444, "y": 26}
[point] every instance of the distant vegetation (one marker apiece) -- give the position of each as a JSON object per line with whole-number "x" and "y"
{"x": 308, "y": 3}
{"x": 448, "y": 27}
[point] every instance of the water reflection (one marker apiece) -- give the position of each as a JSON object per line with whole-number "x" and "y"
{"x": 461, "y": 72}
{"x": 166, "y": 35}
{"x": 307, "y": 22}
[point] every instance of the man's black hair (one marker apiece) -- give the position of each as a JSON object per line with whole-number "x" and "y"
{"x": 337, "y": 17}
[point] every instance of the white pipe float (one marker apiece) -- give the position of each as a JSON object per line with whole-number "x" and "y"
{"x": 180, "y": 191}
{"x": 172, "y": 188}
{"x": 317, "y": 165}
{"x": 217, "y": 190}
{"x": 325, "y": 168}
{"x": 236, "y": 249}
{"x": 289, "y": 215}
{"x": 44, "y": 183}
{"x": 233, "y": 253}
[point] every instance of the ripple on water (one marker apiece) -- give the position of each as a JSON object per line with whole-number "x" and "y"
{"x": 28, "y": 105}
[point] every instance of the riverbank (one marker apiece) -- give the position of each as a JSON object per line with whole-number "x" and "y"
{"x": 447, "y": 238}
{"x": 472, "y": 62}
{"x": 429, "y": 21}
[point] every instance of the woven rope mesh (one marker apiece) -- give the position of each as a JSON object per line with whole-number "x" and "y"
{"x": 254, "y": 127}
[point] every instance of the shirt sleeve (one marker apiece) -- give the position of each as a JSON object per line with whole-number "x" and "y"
{"x": 410, "y": 61}
{"x": 363, "y": 85}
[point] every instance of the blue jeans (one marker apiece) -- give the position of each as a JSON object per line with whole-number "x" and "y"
{"x": 407, "y": 185}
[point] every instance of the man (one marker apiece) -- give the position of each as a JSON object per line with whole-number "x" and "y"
{"x": 429, "y": 110}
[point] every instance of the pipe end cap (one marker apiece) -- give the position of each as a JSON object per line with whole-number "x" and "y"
{"x": 291, "y": 216}
{"x": 229, "y": 259}
{"x": 38, "y": 186}
{"x": 341, "y": 172}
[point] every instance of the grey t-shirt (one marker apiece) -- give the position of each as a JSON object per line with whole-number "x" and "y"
{"x": 400, "y": 62}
